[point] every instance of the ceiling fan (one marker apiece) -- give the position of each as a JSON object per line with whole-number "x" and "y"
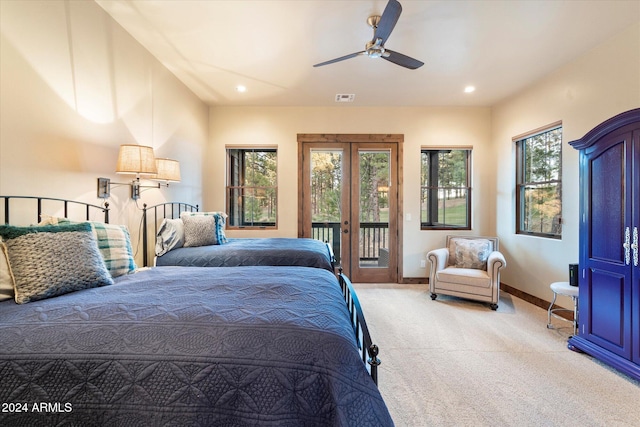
{"x": 382, "y": 27}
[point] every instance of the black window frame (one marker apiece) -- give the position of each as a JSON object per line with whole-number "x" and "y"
{"x": 521, "y": 184}
{"x": 426, "y": 184}
{"x": 236, "y": 184}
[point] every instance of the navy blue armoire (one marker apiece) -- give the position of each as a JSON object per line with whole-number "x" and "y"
{"x": 609, "y": 271}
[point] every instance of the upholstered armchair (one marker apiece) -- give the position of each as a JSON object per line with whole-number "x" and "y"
{"x": 468, "y": 267}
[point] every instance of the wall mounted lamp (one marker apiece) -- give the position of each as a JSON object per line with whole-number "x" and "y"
{"x": 140, "y": 160}
{"x": 168, "y": 170}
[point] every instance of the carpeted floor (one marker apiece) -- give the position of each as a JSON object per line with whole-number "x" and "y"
{"x": 453, "y": 362}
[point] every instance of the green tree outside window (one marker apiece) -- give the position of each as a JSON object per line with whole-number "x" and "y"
{"x": 539, "y": 184}
{"x": 252, "y": 187}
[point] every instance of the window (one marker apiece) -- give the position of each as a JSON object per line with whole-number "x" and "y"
{"x": 251, "y": 187}
{"x": 539, "y": 182}
{"x": 445, "y": 201}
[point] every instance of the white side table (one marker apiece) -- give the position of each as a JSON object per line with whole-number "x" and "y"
{"x": 564, "y": 288}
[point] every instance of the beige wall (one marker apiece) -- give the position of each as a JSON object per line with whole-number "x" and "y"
{"x": 74, "y": 87}
{"x": 420, "y": 126}
{"x": 602, "y": 83}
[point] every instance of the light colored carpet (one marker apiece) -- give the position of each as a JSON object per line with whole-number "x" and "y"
{"x": 454, "y": 362}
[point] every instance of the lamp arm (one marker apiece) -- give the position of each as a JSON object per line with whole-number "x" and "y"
{"x": 105, "y": 184}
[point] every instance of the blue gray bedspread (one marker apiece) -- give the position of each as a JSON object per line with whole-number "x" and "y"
{"x": 173, "y": 346}
{"x": 264, "y": 251}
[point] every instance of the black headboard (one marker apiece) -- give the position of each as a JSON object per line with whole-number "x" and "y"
{"x": 86, "y": 209}
{"x": 152, "y": 217}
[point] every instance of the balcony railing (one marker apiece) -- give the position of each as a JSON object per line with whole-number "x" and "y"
{"x": 373, "y": 236}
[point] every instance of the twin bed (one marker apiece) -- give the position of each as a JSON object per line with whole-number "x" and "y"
{"x": 247, "y": 345}
{"x": 156, "y": 229}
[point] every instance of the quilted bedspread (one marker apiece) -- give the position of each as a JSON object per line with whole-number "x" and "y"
{"x": 265, "y": 251}
{"x": 174, "y": 346}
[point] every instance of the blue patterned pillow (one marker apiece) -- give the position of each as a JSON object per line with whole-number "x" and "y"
{"x": 53, "y": 260}
{"x": 221, "y": 221}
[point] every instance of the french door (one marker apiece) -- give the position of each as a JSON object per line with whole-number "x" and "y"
{"x": 349, "y": 197}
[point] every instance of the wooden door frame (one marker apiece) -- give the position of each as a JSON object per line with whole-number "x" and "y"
{"x": 358, "y": 138}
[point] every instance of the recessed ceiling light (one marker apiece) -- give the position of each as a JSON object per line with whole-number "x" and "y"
{"x": 469, "y": 89}
{"x": 241, "y": 88}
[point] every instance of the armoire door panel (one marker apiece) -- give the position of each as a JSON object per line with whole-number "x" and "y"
{"x": 635, "y": 316}
{"x": 608, "y": 310}
{"x": 607, "y": 204}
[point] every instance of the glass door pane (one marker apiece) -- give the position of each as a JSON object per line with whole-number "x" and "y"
{"x": 373, "y": 231}
{"x": 326, "y": 198}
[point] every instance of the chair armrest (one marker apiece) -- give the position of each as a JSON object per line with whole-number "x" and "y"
{"x": 495, "y": 262}
{"x": 439, "y": 259}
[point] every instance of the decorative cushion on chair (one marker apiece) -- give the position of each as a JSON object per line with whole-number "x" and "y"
{"x": 472, "y": 253}
{"x": 451, "y": 242}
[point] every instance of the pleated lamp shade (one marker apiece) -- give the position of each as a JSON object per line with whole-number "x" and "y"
{"x": 136, "y": 159}
{"x": 168, "y": 170}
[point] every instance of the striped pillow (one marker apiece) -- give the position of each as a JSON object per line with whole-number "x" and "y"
{"x": 113, "y": 240}
{"x": 114, "y": 243}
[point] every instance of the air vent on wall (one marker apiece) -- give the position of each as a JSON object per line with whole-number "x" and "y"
{"x": 345, "y": 97}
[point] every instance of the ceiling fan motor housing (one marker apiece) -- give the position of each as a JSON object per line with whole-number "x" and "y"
{"x": 375, "y": 49}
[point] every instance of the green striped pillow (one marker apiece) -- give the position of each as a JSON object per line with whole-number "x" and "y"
{"x": 114, "y": 243}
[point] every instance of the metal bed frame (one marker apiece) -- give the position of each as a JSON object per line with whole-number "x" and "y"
{"x": 369, "y": 350}
{"x": 88, "y": 208}
{"x": 160, "y": 211}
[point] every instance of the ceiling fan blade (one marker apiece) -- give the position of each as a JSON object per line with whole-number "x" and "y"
{"x": 388, "y": 20}
{"x": 342, "y": 58}
{"x": 402, "y": 60}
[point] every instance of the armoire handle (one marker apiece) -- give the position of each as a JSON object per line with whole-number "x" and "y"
{"x": 634, "y": 246}
{"x": 627, "y": 246}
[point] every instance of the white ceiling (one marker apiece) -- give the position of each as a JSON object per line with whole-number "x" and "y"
{"x": 270, "y": 47}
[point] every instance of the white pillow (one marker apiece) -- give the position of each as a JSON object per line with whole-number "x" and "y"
{"x": 170, "y": 236}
